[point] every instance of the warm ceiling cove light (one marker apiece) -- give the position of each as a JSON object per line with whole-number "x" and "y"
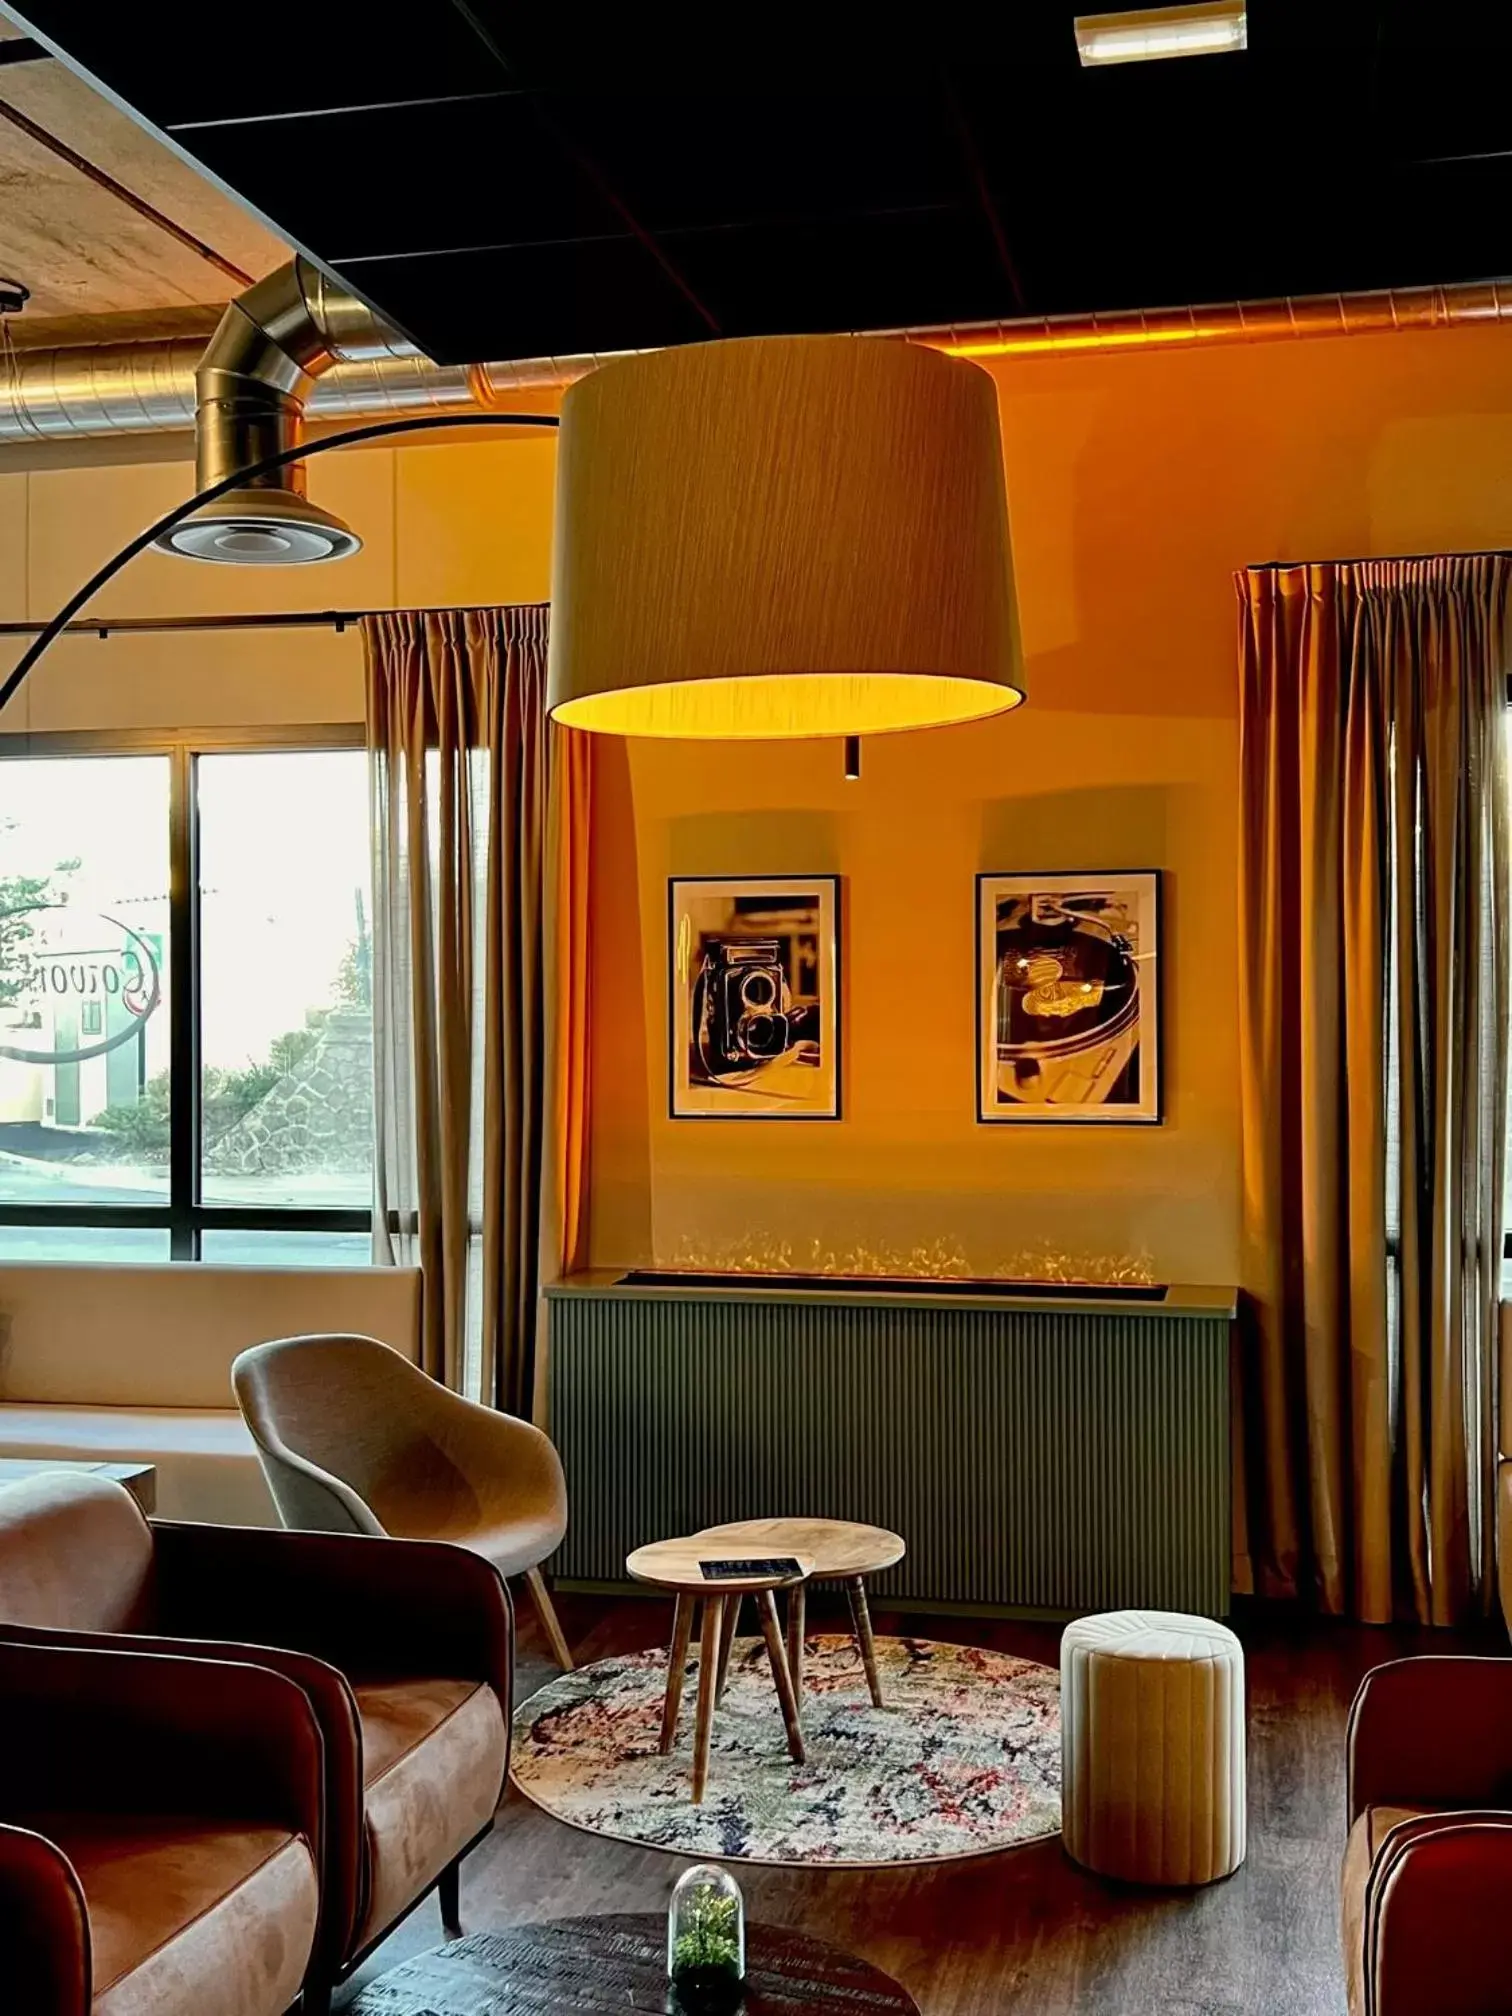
{"x": 782, "y": 537}
{"x": 1147, "y": 34}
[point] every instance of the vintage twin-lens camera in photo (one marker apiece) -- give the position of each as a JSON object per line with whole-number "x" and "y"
{"x": 743, "y": 1013}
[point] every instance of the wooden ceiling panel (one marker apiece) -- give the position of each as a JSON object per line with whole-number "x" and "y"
{"x": 82, "y": 250}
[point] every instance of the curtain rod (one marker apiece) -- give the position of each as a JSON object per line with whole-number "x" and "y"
{"x": 1378, "y": 559}
{"x": 278, "y": 619}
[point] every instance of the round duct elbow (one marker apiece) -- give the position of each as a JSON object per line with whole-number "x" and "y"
{"x": 251, "y": 387}
{"x": 261, "y": 528}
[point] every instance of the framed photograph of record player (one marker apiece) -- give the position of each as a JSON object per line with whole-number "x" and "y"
{"x": 1068, "y": 998}
{"x": 754, "y": 997}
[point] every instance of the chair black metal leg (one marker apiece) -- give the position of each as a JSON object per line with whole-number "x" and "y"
{"x": 449, "y": 1891}
{"x": 316, "y": 1999}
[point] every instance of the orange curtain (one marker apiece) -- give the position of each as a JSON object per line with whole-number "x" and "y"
{"x": 1373, "y": 1032}
{"x": 480, "y": 818}
{"x": 567, "y": 1023}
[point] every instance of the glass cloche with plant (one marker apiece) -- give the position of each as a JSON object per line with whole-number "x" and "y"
{"x": 706, "y": 1940}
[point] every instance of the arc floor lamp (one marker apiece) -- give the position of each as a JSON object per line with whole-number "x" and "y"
{"x": 769, "y": 538}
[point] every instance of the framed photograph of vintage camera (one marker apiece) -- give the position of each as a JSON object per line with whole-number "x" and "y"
{"x": 1068, "y": 997}
{"x": 754, "y": 997}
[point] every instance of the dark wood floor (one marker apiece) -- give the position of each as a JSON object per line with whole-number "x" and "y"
{"x": 1023, "y": 1931}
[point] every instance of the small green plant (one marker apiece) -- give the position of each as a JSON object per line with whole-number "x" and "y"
{"x": 706, "y": 1961}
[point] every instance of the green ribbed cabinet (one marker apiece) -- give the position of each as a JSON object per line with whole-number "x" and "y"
{"x": 1039, "y": 1457}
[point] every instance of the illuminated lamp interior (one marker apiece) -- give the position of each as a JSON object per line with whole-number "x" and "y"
{"x": 789, "y": 706}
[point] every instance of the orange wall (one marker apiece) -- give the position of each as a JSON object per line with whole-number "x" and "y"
{"x": 1137, "y": 485}
{"x": 467, "y": 521}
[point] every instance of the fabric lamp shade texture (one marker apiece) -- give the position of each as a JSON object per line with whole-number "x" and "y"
{"x": 782, "y": 537}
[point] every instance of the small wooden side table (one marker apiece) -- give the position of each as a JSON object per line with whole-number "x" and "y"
{"x": 841, "y": 1551}
{"x": 677, "y": 1566}
{"x": 583, "y": 1966}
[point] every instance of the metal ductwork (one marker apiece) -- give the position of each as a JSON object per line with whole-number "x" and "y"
{"x": 98, "y": 390}
{"x": 297, "y": 347}
{"x": 251, "y": 388}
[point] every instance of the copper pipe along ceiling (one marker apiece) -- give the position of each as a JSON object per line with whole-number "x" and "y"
{"x": 149, "y": 387}
{"x": 1365, "y": 314}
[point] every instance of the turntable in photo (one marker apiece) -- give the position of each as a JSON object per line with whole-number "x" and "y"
{"x": 753, "y": 998}
{"x": 1068, "y": 992}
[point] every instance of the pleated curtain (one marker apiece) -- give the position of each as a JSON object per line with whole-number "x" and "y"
{"x": 1373, "y": 1030}
{"x": 480, "y": 834}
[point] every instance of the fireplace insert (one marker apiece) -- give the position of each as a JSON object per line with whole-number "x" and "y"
{"x": 899, "y": 1284}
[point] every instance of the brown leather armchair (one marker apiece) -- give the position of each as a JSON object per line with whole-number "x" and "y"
{"x": 1504, "y": 1462}
{"x": 160, "y": 1833}
{"x": 1428, "y": 1869}
{"x": 403, "y": 1649}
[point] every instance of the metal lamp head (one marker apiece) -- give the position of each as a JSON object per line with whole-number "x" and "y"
{"x": 261, "y": 528}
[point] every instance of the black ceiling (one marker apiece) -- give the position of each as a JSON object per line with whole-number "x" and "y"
{"x": 504, "y": 181}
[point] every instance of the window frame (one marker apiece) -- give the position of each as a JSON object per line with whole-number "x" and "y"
{"x": 185, "y": 1216}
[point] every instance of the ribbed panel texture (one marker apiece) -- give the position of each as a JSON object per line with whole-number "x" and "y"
{"x": 1055, "y": 1460}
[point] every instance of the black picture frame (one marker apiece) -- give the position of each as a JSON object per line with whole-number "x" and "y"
{"x": 830, "y": 886}
{"x": 1152, "y": 991}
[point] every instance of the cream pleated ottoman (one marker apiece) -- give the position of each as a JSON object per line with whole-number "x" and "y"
{"x": 1152, "y": 1747}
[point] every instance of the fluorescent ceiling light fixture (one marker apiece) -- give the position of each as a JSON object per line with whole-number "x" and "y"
{"x": 1146, "y": 34}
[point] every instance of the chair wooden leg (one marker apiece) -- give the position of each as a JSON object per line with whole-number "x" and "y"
{"x": 797, "y": 1628}
{"x": 708, "y": 1690}
{"x": 771, "y": 1631}
{"x": 733, "y": 1607}
{"x": 861, "y": 1618}
{"x": 540, "y": 1595}
{"x": 449, "y": 1893}
{"x": 677, "y": 1667}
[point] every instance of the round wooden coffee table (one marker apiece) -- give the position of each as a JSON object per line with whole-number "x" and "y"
{"x": 578, "y": 1966}
{"x": 677, "y": 1566}
{"x": 841, "y": 1551}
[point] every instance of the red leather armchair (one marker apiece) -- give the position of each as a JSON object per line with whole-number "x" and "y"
{"x": 1428, "y": 1870}
{"x": 160, "y": 1835}
{"x": 404, "y": 1650}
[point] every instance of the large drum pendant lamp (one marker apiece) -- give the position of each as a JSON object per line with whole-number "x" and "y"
{"x": 802, "y": 536}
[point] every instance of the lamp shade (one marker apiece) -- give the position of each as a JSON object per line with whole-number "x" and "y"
{"x": 794, "y": 536}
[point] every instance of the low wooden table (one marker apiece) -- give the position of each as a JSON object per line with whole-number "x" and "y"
{"x": 578, "y": 1966}
{"x": 841, "y": 1551}
{"x": 676, "y": 1566}
{"x": 140, "y": 1479}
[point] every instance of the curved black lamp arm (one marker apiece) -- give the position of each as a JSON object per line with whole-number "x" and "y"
{"x": 421, "y": 424}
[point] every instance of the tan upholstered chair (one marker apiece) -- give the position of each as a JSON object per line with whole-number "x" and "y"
{"x": 401, "y": 1651}
{"x": 1428, "y": 1867}
{"x": 160, "y": 1834}
{"x": 354, "y": 1439}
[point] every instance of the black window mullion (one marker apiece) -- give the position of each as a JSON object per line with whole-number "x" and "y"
{"x": 184, "y": 1005}
{"x": 281, "y": 1218}
{"x": 151, "y": 1217}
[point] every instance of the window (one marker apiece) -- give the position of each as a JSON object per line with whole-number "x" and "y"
{"x": 186, "y": 1002}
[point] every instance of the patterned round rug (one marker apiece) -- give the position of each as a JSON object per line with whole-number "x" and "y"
{"x": 963, "y": 1760}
